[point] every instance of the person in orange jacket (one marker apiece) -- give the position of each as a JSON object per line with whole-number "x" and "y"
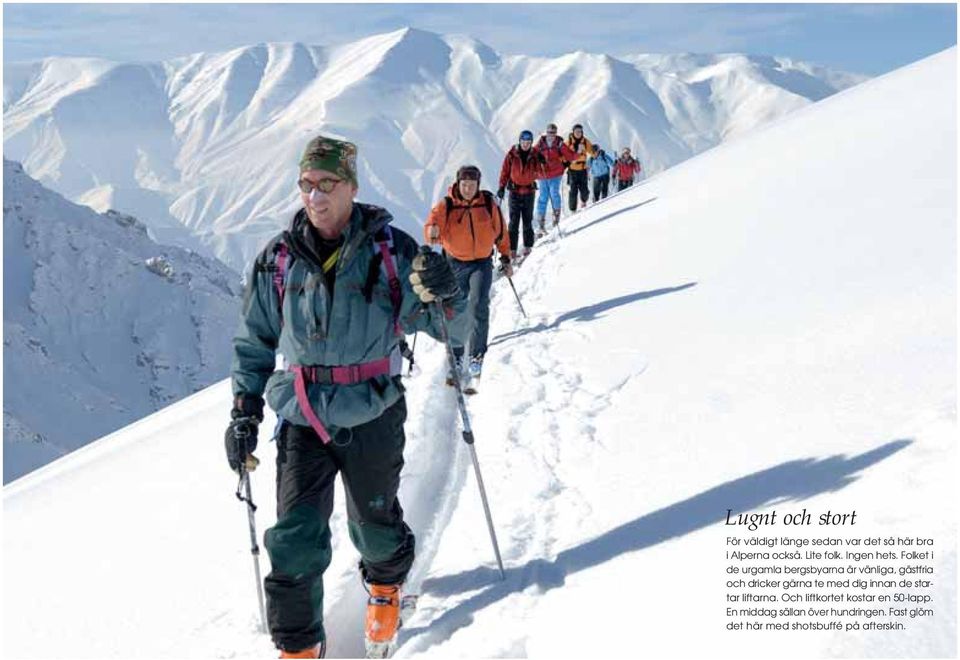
{"x": 578, "y": 172}
{"x": 469, "y": 226}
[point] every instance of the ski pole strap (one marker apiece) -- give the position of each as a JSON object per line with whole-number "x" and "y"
{"x": 249, "y": 501}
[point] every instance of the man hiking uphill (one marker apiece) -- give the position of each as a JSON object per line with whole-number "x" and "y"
{"x": 334, "y": 295}
{"x": 600, "y": 164}
{"x": 468, "y": 224}
{"x": 521, "y": 167}
{"x": 626, "y": 168}
{"x": 577, "y": 171}
{"x": 556, "y": 154}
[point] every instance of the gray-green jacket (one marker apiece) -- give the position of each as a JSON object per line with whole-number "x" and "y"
{"x": 320, "y": 329}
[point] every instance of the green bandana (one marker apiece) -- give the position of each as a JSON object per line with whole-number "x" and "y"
{"x": 335, "y": 156}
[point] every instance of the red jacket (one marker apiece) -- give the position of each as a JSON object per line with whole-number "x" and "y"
{"x": 554, "y": 157}
{"x": 626, "y": 170}
{"x": 517, "y": 175}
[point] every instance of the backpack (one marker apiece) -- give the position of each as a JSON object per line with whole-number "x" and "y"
{"x": 487, "y": 196}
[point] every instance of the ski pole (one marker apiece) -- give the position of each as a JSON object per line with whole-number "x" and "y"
{"x": 517, "y": 296}
{"x": 413, "y": 350}
{"x": 468, "y": 432}
{"x": 254, "y": 548}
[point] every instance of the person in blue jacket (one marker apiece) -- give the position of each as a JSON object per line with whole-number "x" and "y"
{"x": 600, "y": 164}
{"x": 334, "y": 294}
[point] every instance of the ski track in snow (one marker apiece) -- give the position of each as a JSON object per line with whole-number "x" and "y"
{"x": 434, "y": 473}
{"x": 545, "y": 390}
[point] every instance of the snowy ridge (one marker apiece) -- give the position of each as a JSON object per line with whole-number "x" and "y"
{"x": 757, "y": 328}
{"x": 101, "y": 325}
{"x": 203, "y": 148}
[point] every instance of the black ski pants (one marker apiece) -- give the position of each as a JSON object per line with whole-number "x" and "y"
{"x": 601, "y": 186}
{"x": 521, "y": 208}
{"x": 578, "y": 186}
{"x": 624, "y": 184}
{"x": 369, "y": 458}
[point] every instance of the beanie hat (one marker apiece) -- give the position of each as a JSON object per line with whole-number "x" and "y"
{"x": 469, "y": 172}
{"x": 332, "y": 155}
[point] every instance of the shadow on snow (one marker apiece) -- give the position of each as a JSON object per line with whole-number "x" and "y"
{"x": 609, "y": 215}
{"x": 590, "y": 312}
{"x": 790, "y": 481}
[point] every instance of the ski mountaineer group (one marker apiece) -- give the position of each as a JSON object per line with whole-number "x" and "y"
{"x": 334, "y": 295}
{"x": 528, "y": 167}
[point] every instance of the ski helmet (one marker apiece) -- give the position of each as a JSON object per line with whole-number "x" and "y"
{"x": 526, "y": 135}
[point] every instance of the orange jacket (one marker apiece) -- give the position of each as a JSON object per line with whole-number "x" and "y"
{"x": 469, "y": 231}
{"x": 580, "y": 162}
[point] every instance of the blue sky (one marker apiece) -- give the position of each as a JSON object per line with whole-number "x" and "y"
{"x": 862, "y": 38}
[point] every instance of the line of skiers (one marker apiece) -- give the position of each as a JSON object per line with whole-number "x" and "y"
{"x": 335, "y": 294}
{"x": 528, "y": 166}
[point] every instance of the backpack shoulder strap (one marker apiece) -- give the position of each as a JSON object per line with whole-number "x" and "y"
{"x": 384, "y": 246}
{"x": 281, "y": 259}
{"x": 488, "y": 198}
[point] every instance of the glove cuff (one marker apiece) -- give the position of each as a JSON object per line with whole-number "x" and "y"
{"x": 247, "y": 405}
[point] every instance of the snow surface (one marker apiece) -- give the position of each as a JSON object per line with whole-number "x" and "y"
{"x": 101, "y": 325}
{"x": 769, "y": 325}
{"x": 204, "y": 148}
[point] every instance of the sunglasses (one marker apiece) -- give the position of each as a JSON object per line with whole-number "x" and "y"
{"x": 325, "y": 186}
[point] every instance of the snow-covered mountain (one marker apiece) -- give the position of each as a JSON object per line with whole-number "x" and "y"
{"x": 208, "y": 144}
{"x": 101, "y": 325}
{"x": 768, "y": 326}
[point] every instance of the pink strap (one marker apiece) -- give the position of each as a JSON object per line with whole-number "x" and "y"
{"x": 357, "y": 373}
{"x": 394, "y": 281}
{"x": 280, "y": 275}
{"x": 300, "y": 387}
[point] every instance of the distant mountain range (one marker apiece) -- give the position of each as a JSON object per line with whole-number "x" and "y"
{"x": 203, "y": 148}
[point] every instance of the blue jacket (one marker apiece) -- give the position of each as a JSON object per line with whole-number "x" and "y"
{"x": 600, "y": 165}
{"x": 353, "y": 325}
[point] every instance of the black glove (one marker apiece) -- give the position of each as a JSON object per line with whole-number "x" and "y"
{"x": 505, "y": 266}
{"x": 241, "y": 435}
{"x": 432, "y": 278}
{"x": 501, "y": 191}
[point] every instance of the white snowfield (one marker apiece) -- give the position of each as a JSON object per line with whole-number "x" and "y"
{"x": 204, "y": 148}
{"x": 769, "y": 326}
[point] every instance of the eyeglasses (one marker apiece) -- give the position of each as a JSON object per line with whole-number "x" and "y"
{"x": 551, "y": 132}
{"x": 325, "y": 186}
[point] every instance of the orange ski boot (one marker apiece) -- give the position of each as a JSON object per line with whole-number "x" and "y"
{"x": 383, "y": 619}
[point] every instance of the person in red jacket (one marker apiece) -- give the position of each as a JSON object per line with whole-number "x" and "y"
{"x": 625, "y": 169}
{"x": 556, "y": 155}
{"x": 521, "y": 167}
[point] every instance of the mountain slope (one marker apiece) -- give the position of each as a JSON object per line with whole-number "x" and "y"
{"x": 204, "y": 148}
{"x": 101, "y": 325}
{"x": 759, "y": 328}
